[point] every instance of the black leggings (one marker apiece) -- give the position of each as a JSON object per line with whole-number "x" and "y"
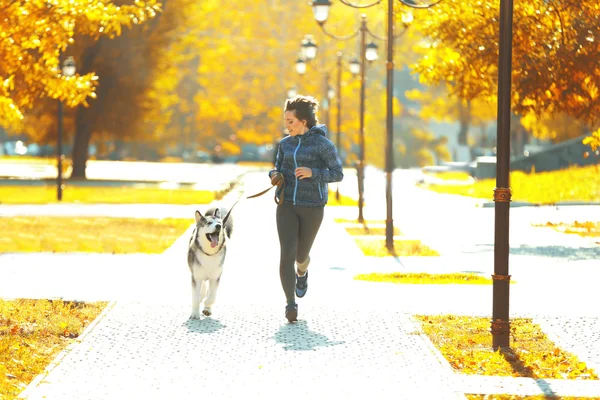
{"x": 297, "y": 228}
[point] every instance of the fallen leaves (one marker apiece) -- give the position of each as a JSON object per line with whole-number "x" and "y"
{"x": 32, "y": 332}
{"x": 466, "y": 342}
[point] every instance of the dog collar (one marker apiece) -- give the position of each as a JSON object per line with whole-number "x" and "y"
{"x": 210, "y": 255}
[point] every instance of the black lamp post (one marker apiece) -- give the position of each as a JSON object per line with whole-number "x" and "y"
{"x": 308, "y": 48}
{"x": 368, "y": 52}
{"x": 501, "y": 279}
{"x": 68, "y": 70}
{"x": 308, "y": 52}
{"x": 339, "y": 114}
{"x": 292, "y": 92}
{"x": 300, "y": 65}
{"x": 321, "y": 13}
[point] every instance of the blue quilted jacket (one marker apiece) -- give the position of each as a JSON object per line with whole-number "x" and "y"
{"x": 312, "y": 150}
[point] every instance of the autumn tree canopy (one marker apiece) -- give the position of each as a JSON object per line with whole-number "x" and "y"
{"x": 556, "y": 54}
{"x": 33, "y": 35}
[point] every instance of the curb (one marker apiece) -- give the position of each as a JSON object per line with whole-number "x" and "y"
{"x": 491, "y": 204}
{"x": 447, "y": 368}
{"x": 60, "y": 356}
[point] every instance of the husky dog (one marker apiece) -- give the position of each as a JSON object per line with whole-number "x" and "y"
{"x": 206, "y": 256}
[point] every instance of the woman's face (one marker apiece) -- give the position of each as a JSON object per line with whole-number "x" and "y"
{"x": 294, "y": 125}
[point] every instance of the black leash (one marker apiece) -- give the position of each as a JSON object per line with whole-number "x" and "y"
{"x": 279, "y": 200}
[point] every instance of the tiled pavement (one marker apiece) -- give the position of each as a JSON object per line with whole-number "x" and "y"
{"x": 354, "y": 339}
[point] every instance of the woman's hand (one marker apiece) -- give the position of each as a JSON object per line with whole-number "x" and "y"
{"x": 276, "y": 178}
{"x": 303, "y": 172}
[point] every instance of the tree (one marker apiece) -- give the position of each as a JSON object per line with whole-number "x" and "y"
{"x": 440, "y": 105}
{"x": 36, "y": 32}
{"x": 421, "y": 148}
{"x": 556, "y": 53}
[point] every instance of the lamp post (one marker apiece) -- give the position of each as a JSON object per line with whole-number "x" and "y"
{"x": 339, "y": 115}
{"x": 321, "y": 13}
{"x": 325, "y": 103}
{"x": 354, "y": 66}
{"x": 292, "y": 92}
{"x": 368, "y": 52}
{"x": 501, "y": 279}
{"x": 300, "y": 65}
{"x": 360, "y": 165}
{"x": 68, "y": 70}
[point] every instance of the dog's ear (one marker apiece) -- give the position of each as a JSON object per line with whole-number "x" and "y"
{"x": 217, "y": 213}
{"x": 198, "y": 216}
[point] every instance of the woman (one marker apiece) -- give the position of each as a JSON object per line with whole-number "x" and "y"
{"x": 306, "y": 161}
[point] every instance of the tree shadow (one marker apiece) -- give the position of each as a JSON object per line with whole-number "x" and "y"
{"x": 203, "y": 326}
{"x": 558, "y": 252}
{"x": 520, "y": 368}
{"x": 298, "y": 337}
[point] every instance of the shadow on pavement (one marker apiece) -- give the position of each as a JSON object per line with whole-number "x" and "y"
{"x": 298, "y": 337}
{"x": 204, "y": 325}
{"x": 558, "y": 252}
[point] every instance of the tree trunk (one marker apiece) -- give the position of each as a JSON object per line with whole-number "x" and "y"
{"x": 84, "y": 119}
{"x": 464, "y": 116}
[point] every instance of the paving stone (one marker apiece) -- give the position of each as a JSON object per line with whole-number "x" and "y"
{"x": 354, "y": 339}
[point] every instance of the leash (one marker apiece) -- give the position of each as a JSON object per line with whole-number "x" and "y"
{"x": 278, "y": 200}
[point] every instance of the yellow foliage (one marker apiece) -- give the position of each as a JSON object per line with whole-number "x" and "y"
{"x": 230, "y": 148}
{"x": 95, "y": 235}
{"x": 375, "y": 247}
{"x": 34, "y": 33}
{"x": 466, "y": 342}
{"x": 554, "y": 51}
{"x": 112, "y": 195}
{"x": 426, "y": 279}
{"x": 593, "y": 140}
{"x": 33, "y": 332}
{"x": 575, "y": 183}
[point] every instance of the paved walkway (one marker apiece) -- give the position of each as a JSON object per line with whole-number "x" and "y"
{"x": 354, "y": 339}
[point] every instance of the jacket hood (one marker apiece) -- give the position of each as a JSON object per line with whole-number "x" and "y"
{"x": 320, "y": 129}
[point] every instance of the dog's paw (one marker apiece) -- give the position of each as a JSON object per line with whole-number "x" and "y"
{"x": 195, "y": 315}
{"x": 207, "y": 312}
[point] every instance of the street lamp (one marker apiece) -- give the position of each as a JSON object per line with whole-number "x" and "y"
{"x": 68, "y": 70}
{"x": 367, "y": 53}
{"x": 331, "y": 93}
{"x": 300, "y": 66}
{"x": 501, "y": 279}
{"x": 321, "y": 13}
{"x": 339, "y": 114}
{"x": 371, "y": 52}
{"x": 321, "y": 10}
{"x": 308, "y": 48}
{"x": 354, "y": 66}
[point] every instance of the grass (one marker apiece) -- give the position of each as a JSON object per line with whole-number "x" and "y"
{"x": 425, "y": 278}
{"x": 460, "y": 176}
{"x": 344, "y": 200}
{"x": 110, "y": 195}
{"x": 571, "y": 184}
{"x": 31, "y": 160}
{"x": 355, "y": 221}
{"x": 375, "y": 247}
{"x": 366, "y": 231}
{"x": 90, "y": 234}
{"x": 466, "y": 342}
{"x": 123, "y": 195}
{"x": 263, "y": 164}
{"x": 519, "y": 397}
{"x": 32, "y": 333}
{"x": 585, "y": 229}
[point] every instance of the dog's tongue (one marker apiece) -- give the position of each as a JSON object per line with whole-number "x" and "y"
{"x": 214, "y": 240}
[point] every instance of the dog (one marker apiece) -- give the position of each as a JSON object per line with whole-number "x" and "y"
{"x": 206, "y": 256}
